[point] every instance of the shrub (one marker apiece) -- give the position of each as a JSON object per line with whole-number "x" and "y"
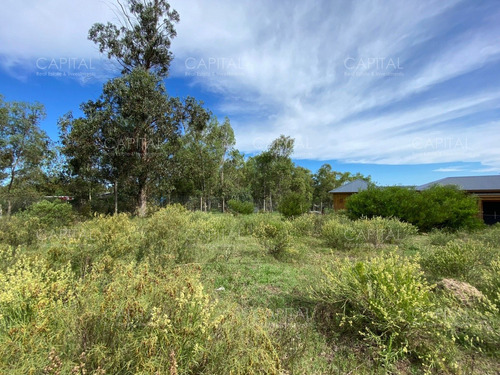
{"x": 239, "y": 207}
{"x": 489, "y": 281}
{"x": 386, "y": 301}
{"x": 18, "y": 230}
{"x": 307, "y": 225}
{"x": 440, "y": 237}
{"x": 436, "y": 207}
{"x": 294, "y": 204}
{"x": 126, "y": 320}
{"x": 36, "y": 222}
{"x": 274, "y": 236}
{"x": 456, "y": 259}
{"x": 380, "y": 230}
{"x": 342, "y": 233}
{"x": 489, "y": 235}
{"x": 247, "y": 224}
{"x": 339, "y": 234}
{"x": 207, "y": 227}
{"x": 110, "y": 237}
{"x": 168, "y": 237}
{"x": 51, "y": 214}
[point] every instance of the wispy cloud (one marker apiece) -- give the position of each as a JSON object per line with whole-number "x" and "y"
{"x": 350, "y": 81}
{"x": 450, "y": 169}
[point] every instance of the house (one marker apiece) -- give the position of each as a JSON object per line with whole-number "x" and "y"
{"x": 343, "y": 192}
{"x": 486, "y": 188}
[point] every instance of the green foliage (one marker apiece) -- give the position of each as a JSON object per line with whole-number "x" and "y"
{"x": 293, "y": 204}
{"x": 387, "y": 302}
{"x": 489, "y": 281}
{"x": 307, "y": 225}
{"x": 125, "y": 320}
{"x": 489, "y": 235}
{"x": 341, "y": 233}
{"x": 144, "y": 41}
{"x": 457, "y": 259}
{"x": 244, "y": 208}
{"x": 109, "y": 296}
{"x": 441, "y": 237}
{"x": 378, "y": 230}
{"x": 436, "y": 207}
{"x": 40, "y": 220}
{"x": 168, "y": 237}
{"x": 18, "y": 230}
{"x": 24, "y": 149}
{"x": 51, "y": 214}
{"x": 274, "y": 236}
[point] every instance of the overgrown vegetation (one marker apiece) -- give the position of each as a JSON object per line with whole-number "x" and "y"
{"x": 435, "y": 207}
{"x": 183, "y": 292}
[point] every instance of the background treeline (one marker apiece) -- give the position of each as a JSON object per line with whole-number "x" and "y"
{"x": 110, "y": 165}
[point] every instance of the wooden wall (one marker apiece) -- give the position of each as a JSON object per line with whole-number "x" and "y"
{"x": 339, "y": 200}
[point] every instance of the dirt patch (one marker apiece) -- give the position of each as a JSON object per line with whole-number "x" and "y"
{"x": 464, "y": 292}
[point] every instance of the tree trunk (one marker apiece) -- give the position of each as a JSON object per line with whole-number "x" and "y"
{"x": 270, "y": 202}
{"x": 143, "y": 195}
{"x": 115, "y": 187}
{"x": 9, "y": 202}
{"x": 143, "y": 198}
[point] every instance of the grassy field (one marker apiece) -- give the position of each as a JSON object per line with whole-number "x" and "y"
{"x": 195, "y": 293}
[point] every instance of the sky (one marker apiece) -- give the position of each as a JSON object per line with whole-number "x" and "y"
{"x": 404, "y": 91}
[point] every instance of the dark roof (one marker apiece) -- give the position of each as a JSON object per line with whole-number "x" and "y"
{"x": 351, "y": 187}
{"x": 470, "y": 183}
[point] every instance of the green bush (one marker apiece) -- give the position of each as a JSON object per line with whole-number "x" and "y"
{"x": 247, "y": 224}
{"x": 387, "y": 302}
{"x": 104, "y": 237}
{"x": 244, "y": 208}
{"x": 436, "y": 207}
{"x": 38, "y": 221}
{"x": 274, "y": 236}
{"x": 307, "y": 224}
{"x": 489, "y": 281}
{"x": 340, "y": 234}
{"x": 207, "y": 227}
{"x": 51, "y": 214}
{"x": 294, "y": 204}
{"x": 378, "y": 230}
{"x": 168, "y": 236}
{"x": 457, "y": 259}
{"x": 489, "y": 235}
{"x": 440, "y": 237}
{"x": 17, "y": 230}
{"x": 127, "y": 320}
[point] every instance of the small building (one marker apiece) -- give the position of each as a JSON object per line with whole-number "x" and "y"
{"x": 343, "y": 192}
{"x": 486, "y": 188}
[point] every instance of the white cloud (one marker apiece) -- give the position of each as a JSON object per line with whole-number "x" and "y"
{"x": 449, "y": 169}
{"x": 286, "y": 68}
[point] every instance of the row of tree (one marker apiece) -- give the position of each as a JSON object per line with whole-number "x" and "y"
{"x": 137, "y": 145}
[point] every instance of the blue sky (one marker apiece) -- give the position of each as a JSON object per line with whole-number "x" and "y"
{"x": 406, "y": 91}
